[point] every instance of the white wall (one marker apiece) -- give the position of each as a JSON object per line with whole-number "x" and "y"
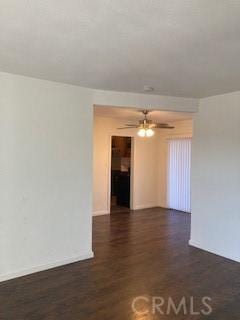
{"x": 145, "y": 165}
{"x": 183, "y": 129}
{"x": 45, "y": 175}
{"x": 46, "y": 169}
{"x": 216, "y": 176}
{"x": 144, "y": 101}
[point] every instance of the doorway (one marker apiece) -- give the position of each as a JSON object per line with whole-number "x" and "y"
{"x": 121, "y": 150}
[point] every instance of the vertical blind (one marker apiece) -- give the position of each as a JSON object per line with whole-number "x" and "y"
{"x": 179, "y": 169}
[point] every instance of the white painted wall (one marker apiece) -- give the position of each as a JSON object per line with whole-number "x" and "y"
{"x": 216, "y": 176}
{"x": 144, "y": 101}
{"x": 144, "y": 170}
{"x": 46, "y": 169}
{"x": 45, "y": 175}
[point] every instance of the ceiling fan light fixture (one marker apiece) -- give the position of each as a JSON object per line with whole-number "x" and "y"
{"x": 145, "y": 132}
{"x": 142, "y": 133}
{"x": 149, "y": 132}
{"x": 145, "y": 126}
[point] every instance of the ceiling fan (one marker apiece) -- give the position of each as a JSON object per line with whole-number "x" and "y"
{"x": 146, "y": 126}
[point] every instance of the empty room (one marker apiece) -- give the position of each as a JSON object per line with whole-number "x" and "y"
{"x": 119, "y": 159}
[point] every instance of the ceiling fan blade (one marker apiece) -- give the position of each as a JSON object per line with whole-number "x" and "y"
{"x": 163, "y": 126}
{"x": 131, "y": 125}
{"x": 128, "y": 127}
{"x": 156, "y": 125}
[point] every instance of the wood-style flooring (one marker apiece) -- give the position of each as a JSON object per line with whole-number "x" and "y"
{"x": 142, "y": 253}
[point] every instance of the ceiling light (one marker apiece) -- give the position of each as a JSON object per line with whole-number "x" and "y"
{"x": 142, "y": 133}
{"x": 145, "y": 132}
{"x": 145, "y": 126}
{"x": 149, "y": 132}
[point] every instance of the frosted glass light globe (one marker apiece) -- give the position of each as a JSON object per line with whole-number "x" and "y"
{"x": 149, "y": 132}
{"x": 142, "y": 132}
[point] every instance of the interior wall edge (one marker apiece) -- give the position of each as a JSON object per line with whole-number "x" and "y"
{"x": 145, "y": 206}
{"x": 44, "y": 267}
{"x": 100, "y": 213}
{"x": 121, "y": 98}
{"x": 214, "y": 250}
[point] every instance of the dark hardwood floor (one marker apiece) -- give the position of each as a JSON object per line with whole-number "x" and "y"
{"x": 144, "y": 253}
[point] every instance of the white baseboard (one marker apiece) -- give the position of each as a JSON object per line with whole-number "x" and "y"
{"x": 145, "y": 206}
{"x": 213, "y": 251}
{"x": 100, "y": 213}
{"x": 35, "y": 269}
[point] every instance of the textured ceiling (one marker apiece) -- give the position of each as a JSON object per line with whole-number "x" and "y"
{"x": 185, "y": 48}
{"x": 134, "y": 115}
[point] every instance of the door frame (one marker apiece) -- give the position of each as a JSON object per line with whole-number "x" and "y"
{"x": 110, "y": 169}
